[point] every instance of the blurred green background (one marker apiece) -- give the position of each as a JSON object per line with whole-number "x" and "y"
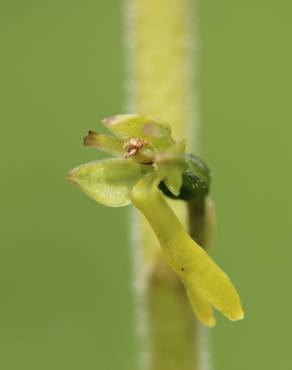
{"x": 65, "y": 266}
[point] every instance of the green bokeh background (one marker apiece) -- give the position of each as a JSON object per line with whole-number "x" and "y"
{"x": 65, "y": 265}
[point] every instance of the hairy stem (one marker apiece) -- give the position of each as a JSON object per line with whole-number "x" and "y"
{"x": 160, "y": 47}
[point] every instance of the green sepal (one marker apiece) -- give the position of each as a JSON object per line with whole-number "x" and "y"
{"x": 195, "y": 181}
{"x": 128, "y": 126}
{"x": 109, "y": 181}
{"x": 105, "y": 143}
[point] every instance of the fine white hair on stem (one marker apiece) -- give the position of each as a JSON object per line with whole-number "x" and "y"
{"x": 161, "y": 54}
{"x": 163, "y": 84}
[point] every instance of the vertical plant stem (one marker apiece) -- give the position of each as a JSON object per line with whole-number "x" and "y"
{"x": 160, "y": 46}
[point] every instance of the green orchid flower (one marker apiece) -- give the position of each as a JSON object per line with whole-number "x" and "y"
{"x": 149, "y": 167}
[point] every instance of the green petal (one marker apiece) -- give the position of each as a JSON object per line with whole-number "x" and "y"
{"x": 172, "y": 164}
{"x": 195, "y": 180}
{"x": 104, "y": 143}
{"x": 109, "y": 181}
{"x": 129, "y": 126}
{"x": 174, "y": 180}
{"x": 195, "y": 267}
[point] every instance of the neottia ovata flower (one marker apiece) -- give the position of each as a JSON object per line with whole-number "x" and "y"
{"x": 149, "y": 167}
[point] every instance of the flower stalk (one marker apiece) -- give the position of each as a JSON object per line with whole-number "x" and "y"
{"x": 161, "y": 60}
